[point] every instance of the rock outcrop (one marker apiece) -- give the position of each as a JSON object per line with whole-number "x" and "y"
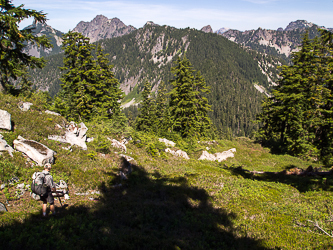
{"x": 101, "y": 28}
{"x": 167, "y": 142}
{"x": 5, "y": 120}
{"x": 117, "y": 144}
{"x": 74, "y": 135}
{"x": 207, "y": 29}
{"x": 24, "y": 106}
{"x": 217, "y": 156}
{"x": 36, "y": 151}
{"x": 178, "y": 153}
{"x": 5, "y": 147}
{"x": 52, "y": 113}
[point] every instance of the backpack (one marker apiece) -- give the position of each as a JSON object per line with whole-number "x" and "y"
{"x": 38, "y": 185}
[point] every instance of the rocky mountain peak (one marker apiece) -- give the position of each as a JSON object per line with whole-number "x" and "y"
{"x": 299, "y": 24}
{"x": 40, "y": 29}
{"x": 221, "y": 30}
{"x": 207, "y": 29}
{"x": 150, "y": 23}
{"x": 101, "y": 28}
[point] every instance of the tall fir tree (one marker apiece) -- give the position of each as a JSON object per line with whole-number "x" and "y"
{"x": 13, "y": 61}
{"x": 146, "y": 120}
{"x": 89, "y": 87}
{"x": 108, "y": 93}
{"x": 188, "y": 107}
{"x": 293, "y": 118}
{"x": 162, "y": 110}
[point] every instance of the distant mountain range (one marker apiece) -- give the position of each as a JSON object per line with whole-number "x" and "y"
{"x": 240, "y": 67}
{"x": 280, "y": 42}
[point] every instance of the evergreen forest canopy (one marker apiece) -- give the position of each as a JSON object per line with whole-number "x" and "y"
{"x": 147, "y": 55}
{"x": 14, "y": 63}
{"x": 297, "y": 119}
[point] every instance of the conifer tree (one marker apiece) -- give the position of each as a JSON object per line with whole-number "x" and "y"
{"x": 146, "y": 120}
{"x": 13, "y": 61}
{"x": 188, "y": 107}
{"x": 294, "y": 117}
{"x": 79, "y": 77}
{"x": 162, "y": 109}
{"x": 108, "y": 94}
{"x": 89, "y": 87}
{"x": 202, "y": 105}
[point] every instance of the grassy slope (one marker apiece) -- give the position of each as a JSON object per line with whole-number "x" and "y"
{"x": 167, "y": 202}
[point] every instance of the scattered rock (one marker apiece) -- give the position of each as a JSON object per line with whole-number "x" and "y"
{"x": 122, "y": 175}
{"x": 5, "y": 120}
{"x": 207, "y": 156}
{"x": 3, "y": 208}
{"x": 34, "y": 150}
{"x": 52, "y": 113}
{"x": 74, "y": 135}
{"x": 90, "y": 139}
{"x": 117, "y": 144}
{"x": 208, "y": 142}
{"x": 20, "y": 186}
{"x": 167, "y": 142}
{"x": 24, "y": 106}
{"x": 5, "y": 147}
{"x": 218, "y": 156}
{"x": 2, "y": 186}
{"x": 13, "y": 180}
{"x": 128, "y": 158}
{"x": 178, "y": 153}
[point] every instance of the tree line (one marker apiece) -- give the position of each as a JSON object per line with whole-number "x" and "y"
{"x": 297, "y": 119}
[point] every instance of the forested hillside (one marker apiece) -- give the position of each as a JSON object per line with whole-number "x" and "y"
{"x": 148, "y": 53}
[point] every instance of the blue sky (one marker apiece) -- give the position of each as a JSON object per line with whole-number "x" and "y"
{"x": 64, "y": 15}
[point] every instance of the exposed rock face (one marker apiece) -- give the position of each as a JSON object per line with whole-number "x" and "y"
{"x": 207, "y": 29}
{"x": 5, "y": 120}
{"x": 283, "y": 41}
{"x": 24, "y": 106}
{"x": 299, "y": 24}
{"x": 52, "y": 113}
{"x": 150, "y": 23}
{"x": 74, "y": 135}
{"x": 101, "y": 27}
{"x": 117, "y": 144}
{"x": 221, "y": 31}
{"x": 167, "y": 142}
{"x": 218, "y": 156}
{"x": 5, "y": 147}
{"x": 55, "y": 37}
{"x": 178, "y": 153}
{"x": 34, "y": 150}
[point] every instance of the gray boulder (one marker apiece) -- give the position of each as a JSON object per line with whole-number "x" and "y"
{"x": 5, "y": 147}
{"x": 24, "y": 106}
{"x": 52, "y": 113}
{"x": 74, "y": 135}
{"x": 3, "y": 208}
{"x": 218, "y": 156}
{"x": 5, "y": 120}
{"x": 34, "y": 150}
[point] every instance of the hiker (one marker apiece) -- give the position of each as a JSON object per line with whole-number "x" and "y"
{"x": 51, "y": 187}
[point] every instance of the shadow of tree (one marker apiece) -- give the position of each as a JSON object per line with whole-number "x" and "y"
{"x": 146, "y": 212}
{"x": 302, "y": 183}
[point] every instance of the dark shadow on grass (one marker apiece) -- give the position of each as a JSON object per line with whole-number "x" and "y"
{"x": 146, "y": 212}
{"x": 302, "y": 183}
